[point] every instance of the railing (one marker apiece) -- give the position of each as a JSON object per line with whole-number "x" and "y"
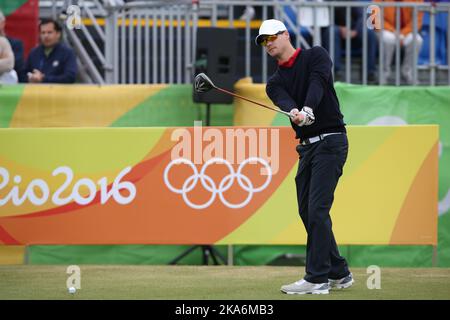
{"x": 151, "y": 41}
{"x": 155, "y": 41}
{"x": 87, "y": 43}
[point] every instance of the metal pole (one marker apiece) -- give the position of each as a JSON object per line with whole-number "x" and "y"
{"x": 347, "y": 46}
{"x": 194, "y": 32}
{"x": 263, "y": 51}
{"x": 297, "y": 28}
{"x": 84, "y": 56}
{"x": 171, "y": 49}
{"x": 54, "y": 9}
{"x": 93, "y": 45}
{"x": 247, "y": 47}
{"x": 381, "y": 52}
{"x": 364, "y": 55}
{"x": 147, "y": 48}
{"x": 414, "y": 61}
{"x": 432, "y": 46}
{"x": 162, "y": 40}
{"x": 131, "y": 48}
{"x": 116, "y": 47}
{"x": 316, "y": 30}
{"x": 110, "y": 47}
{"x": 397, "y": 46}
{"x": 155, "y": 46}
{"x": 123, "y": 46}
{"x": 187, "y": 40}
{"x": 214, "y": 15}
{"x": 94, "y": 21}
{"x": 179, "y": 46}
{"x": 139, "y": 48}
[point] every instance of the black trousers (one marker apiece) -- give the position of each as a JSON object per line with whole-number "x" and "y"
{"x": 318, "y": 173}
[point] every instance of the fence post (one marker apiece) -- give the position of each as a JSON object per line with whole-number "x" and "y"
{"x": 110, "y": 43}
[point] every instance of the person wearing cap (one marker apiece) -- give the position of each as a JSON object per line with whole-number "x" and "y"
{"x": 303, "y": 86}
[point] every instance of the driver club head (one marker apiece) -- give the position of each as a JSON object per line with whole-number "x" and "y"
{"x": 202, "y": 83}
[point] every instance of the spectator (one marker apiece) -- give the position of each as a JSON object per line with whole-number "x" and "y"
{"x": 17, "y": 48}
{"x": 7, "y": 73}
{"x": 356, "y": 35}
{"x": 307, "y": 32}
{"x": 406, "y": 39}
{"x": 440, "y": 37}
{"x": 51, "y": 61}
{"x": 340, "y": 34}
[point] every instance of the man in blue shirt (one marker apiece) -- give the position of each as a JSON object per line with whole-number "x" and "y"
{"x": 51, "y": 61}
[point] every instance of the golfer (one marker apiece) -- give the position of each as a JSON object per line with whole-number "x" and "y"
{"x": 303, "y": 86}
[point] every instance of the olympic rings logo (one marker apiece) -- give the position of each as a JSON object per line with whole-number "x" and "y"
{"x": 208, "y": 183}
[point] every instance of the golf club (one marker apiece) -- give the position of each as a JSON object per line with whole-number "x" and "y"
{"x": 202, "y": 84}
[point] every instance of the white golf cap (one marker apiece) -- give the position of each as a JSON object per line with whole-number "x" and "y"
{"x": 268, "y": 28}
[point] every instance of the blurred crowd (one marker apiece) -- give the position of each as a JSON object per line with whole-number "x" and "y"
{"x": 52, "y": 61}
{"x": 412, "y": 46}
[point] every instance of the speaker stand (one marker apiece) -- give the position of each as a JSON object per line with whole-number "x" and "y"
{"x": 207, "y": 252}
{"x": 208, "y": 114}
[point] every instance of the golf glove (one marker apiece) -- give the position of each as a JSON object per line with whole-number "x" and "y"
{"x": 308, "y": 116}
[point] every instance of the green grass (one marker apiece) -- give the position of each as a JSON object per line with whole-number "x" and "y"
{"x": 209, "y": 282}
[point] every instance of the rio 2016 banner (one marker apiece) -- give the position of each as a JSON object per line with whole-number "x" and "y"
{"x": 216, "y": 185}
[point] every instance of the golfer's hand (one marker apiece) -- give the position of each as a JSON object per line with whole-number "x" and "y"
{"x": 302, "y": 118}
{"x": 309, "y": 118}
{"x": 297, "y": 117}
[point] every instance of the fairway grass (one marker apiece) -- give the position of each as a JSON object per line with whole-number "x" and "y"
{"x": 209, "y": 282}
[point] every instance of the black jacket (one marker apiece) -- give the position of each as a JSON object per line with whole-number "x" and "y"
{"x": 308, "y": 82}
{"x": 59, "y": 67}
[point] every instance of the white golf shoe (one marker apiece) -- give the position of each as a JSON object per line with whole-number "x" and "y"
{"x": 305, "y": 287}
{"x": 342, "y": 283}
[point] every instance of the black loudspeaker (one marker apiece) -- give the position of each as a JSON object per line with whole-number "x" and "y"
{"x": 216, "y": 56}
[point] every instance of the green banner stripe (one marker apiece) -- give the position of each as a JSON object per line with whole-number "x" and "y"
{"x": 10, "y": 96}
{"x": 173, "y": 106}
{"x": 9, "y": 6}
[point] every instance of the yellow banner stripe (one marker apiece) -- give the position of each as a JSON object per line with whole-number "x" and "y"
{"x": 84, "y": 106}
{"x": 221, "y": 23}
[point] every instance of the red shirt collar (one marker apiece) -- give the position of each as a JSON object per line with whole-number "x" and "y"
{"x": 291, "y": 60}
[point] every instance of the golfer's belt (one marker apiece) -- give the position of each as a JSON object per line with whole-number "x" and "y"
{"x": 307, "y": 141}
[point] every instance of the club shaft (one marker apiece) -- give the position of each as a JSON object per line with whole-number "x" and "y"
{"x": 252, "y": 101}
